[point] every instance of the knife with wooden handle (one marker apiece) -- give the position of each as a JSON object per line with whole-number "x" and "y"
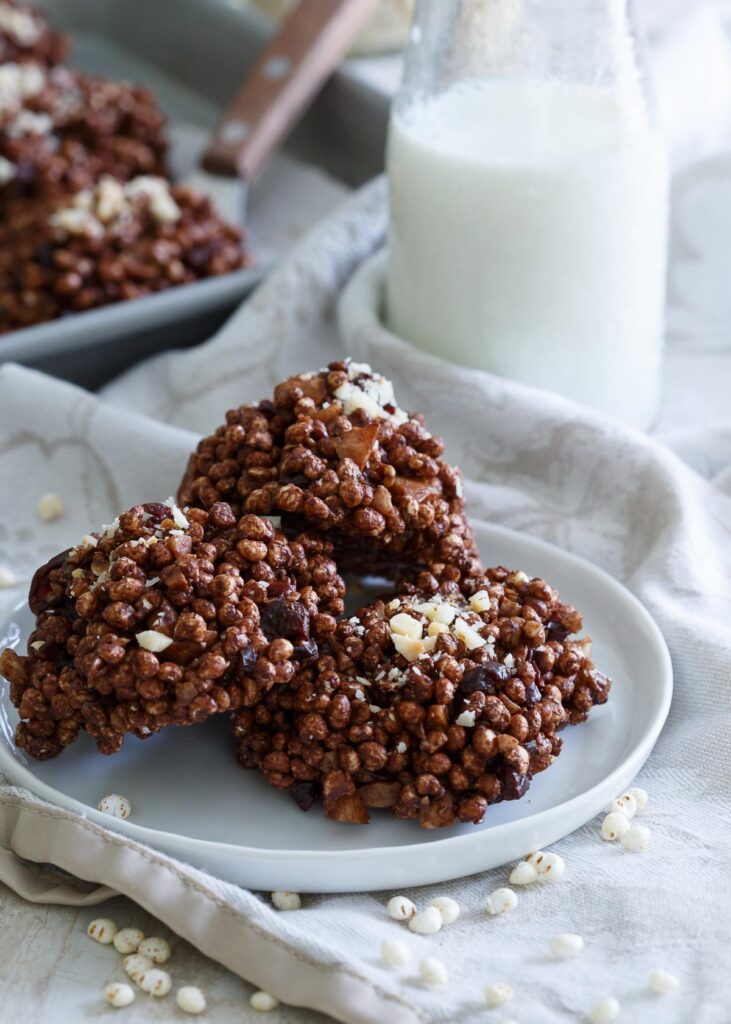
{"x": 283, "y": 82}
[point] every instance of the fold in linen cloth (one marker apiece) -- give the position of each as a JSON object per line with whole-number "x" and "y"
{"x": 654, "y": 512}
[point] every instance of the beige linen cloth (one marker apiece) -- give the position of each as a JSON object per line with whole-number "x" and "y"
{"x": 654, "y": 512}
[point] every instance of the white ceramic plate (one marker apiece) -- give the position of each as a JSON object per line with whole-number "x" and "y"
{"x": 191, "y": 800}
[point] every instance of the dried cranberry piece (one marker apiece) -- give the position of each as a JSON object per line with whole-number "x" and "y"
{"x": 247, "y": 659}
{"x": 304, "y": 794}
{"x": 43, "y": 255}
{"x": 287, "y": 619}
{"x": 532, "y": 694}
{"x": 42, "y": 595}
{"x": 513, "y": 785}
{"x": 199, "y": 255}
{"x": 298, "y": 479}
{"x": 484, "y": 677}
{"x": 555, "y": 631}
{"x": 157, "y": 511}
{"x": 307, "y": 652}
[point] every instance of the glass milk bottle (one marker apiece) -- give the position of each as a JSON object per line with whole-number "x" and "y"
{"x": 529, "y": 199}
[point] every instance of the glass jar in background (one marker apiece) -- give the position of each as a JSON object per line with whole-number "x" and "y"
{"x": 529, "y": 199}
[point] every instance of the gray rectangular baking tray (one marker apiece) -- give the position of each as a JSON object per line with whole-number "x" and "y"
{"x": 193, "y": 53}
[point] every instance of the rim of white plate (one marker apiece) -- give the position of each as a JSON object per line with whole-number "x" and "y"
{"x": 637, "y": 755}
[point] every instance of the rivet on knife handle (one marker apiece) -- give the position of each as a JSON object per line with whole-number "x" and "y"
{"x": 285, "y": 79}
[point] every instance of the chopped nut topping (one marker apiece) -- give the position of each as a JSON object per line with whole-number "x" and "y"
{"x": 153, "y": 641}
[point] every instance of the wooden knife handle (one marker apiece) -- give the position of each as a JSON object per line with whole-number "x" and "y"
{"x": 285, "y": 79}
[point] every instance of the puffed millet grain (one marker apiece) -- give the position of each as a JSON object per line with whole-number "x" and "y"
{"x": 400, "y": 908}
{"x": 625, "y": 804}
{"x": 433, "y": 971}
{"x": 115, "y": 805}
{"x": 136, "y": 964}
{"x": 155, "y": 982}
{"x": 663, "y": 982}
{"x": 614, "y": 826}
{"x": 102, "y": 929}
{"x": 156, "y": 948}
{"x": 127, "y": 940}
{"x": 395, "y": 953}
{"x": 497, "y": 994}
{"x": 640, "y": 795}
{"x": 550, "y": 866}
{"x": 523, "y": 874}
{"x": 566, "y": 944}
{"x": 447, "y": 907}
{"x": 501, "y": 901}
{"x": 284, "y": 900}
{"x": 605, "y": 1011}
{"x": 50, "y": 507}
{"x": 190, "y": 999}
{"x": 118, "y": 994}
{"x": 636, "y": 838}
{"x": 263, "y": 1002}
{"x": 7, "y": 577}
{"x": 426, "y": 922}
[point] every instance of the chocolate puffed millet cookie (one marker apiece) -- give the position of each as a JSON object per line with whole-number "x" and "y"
{"x": 25, "y": 35}
{"x": 333, "y": 452}
{"x": 433, "y": 704}
{"x": 60, "y": 130}
{"x": 106, "y": 244}
{"x": 166, "y": 618}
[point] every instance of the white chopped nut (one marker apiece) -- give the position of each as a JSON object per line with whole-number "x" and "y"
{"x": 523, "y": 874}
{"x": 119, "y": 993}
{"x": 605, "y": 1011}
{"x": 178, "y": 517}
{"x": 497, "y": 994}
{"x": 433, "y": 971}
{"x": 7, "y": 577}
{"x": 395, "y": 953}
{"x": 8, "y": 171}
{"x": 115, "y": 805}
{"x": 566, "y": 944}
{"x": 50, "y": 507}
{"x": 400, "y": 908}
{"x": 426, "y": 922}
{"x": 641, "y": 797}
{"x": 501, "y": 901}
{"x": 436, "y": 628}
{"x": 135, "y": 965}
{"x": 636, "y": 838}
{"x": 190, "y": 999}
{"x": 127, "y": 940}
{"x": 153, "y": 641}
{"x": 663, "y": 982}
{"x": 468, "y": 635}
{"x": 549, "y": 866}
{"x": 263, "y": 1002}
{"x": 447, "y": 907}
{"x": 625, "y": 804}
{"x": 466, "y": 719}
{"x": 480, "y": 602}
{"x": 156, "y": 948}
{"x": 408, "y": 646}
{"x": 284, "y": 900}
{"x": 401, "y": 747}
{"x": 37, "y": 645}
{"x": 406, "y": 625}
{"x": 614, "y": 826}
{"x": 102, "y": 929}
{"x": 155, "y": 982}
